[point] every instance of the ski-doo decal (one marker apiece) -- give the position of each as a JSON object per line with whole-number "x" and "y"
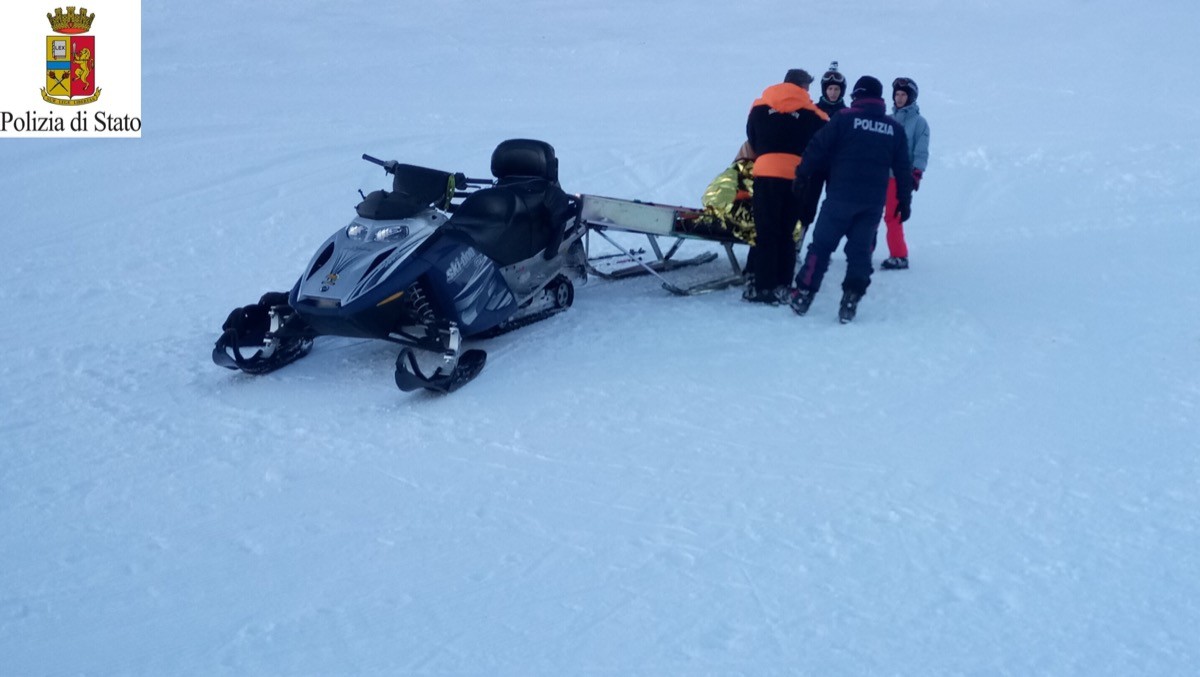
{"x": 481, "y": 283}
{"x": 470, "y": 258}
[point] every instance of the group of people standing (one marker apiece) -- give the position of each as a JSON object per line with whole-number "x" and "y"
{"x": 868, "y": 164}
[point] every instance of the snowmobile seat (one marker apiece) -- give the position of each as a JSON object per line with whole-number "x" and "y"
{"x": 523, "y": 213}
{"x": 501, "y": 223}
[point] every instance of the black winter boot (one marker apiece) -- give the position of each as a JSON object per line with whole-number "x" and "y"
{"x": 895, "y": 263}
{"x": 766, "y": 296}
{"x": 749, "y": 290}
{"x": 801, "y": 300}
{"x": 849, "y": 306}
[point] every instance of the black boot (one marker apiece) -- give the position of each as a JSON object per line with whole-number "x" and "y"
{"x": 801, "y": 300}
{"x": 767, "y": 296}
{"x": 749, "y": 290}
{"x": 849, "y": 306}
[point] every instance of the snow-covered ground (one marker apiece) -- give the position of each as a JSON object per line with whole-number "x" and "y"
{"x": 993, "y": 471}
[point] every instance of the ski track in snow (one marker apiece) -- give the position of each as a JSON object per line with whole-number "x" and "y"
{"x": 991, "y": 471}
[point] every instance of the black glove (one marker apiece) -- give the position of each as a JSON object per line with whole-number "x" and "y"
{"x": 808, "y": 213}
{"x": 903, "y": 210}
{"x": 799, "y": 185}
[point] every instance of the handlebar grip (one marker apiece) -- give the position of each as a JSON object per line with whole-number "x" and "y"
{"x": 389, "y": 166}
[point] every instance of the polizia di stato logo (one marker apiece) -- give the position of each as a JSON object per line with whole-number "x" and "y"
{"x": 71, "y": 59}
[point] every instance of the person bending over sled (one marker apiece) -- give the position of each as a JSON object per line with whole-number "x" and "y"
{"x": 779, "y": 126}
{"x": 856, "y": 150}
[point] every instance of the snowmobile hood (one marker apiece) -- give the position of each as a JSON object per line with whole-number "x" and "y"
{"x": 788, "y": 98}
{"x": 360, "y": 257}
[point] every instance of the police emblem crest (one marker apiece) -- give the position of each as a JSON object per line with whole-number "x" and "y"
{"x": 70, "y": 59}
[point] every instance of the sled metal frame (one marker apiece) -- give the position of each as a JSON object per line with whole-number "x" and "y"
{"x": 600, "y": 214}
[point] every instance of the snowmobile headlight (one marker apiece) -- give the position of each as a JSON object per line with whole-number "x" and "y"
{"x": 391, "y": 233}
{"x": 356, "y": 231}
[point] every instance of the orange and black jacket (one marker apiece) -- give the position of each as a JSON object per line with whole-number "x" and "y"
{"x": 779, "y": 127}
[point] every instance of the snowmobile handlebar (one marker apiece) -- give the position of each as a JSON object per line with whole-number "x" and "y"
{"x": 460, "y": 179}
{"x": 389, "y": 166}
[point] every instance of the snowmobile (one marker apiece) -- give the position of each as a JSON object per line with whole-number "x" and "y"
{"x": 438, "y": 259}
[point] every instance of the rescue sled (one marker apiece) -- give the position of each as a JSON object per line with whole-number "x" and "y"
{"x": 674, "y": 224}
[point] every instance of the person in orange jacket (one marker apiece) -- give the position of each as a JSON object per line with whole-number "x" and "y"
{"x": 779, "y": 126}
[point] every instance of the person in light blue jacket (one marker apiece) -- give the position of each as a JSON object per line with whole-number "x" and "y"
{"x": 908, "y": 114}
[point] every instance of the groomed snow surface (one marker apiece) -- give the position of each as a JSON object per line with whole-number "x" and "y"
{"x": 992, "y": 471}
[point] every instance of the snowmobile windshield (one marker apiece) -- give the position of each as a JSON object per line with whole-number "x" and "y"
{"x": 414, "y": 189}
{"x": 421, "y": 187}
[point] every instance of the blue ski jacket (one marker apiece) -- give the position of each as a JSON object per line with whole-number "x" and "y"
{"x": 856, "y": 151}
{"x": 917, "y": 130}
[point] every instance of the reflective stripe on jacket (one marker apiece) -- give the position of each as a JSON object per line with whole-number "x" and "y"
{"x": 780, "y": 125}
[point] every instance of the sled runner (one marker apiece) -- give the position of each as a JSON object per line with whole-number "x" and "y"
{"x": 680, "y": 224}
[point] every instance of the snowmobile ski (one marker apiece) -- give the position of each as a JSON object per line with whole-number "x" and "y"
{"x": 275, "y": 333}
{"x": 409, "y": 376}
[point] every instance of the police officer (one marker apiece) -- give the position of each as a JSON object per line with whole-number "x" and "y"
{"x": 856, "y": 151}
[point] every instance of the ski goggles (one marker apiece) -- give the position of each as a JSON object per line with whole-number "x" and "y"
{"x": 834, "y": 78}
{"x": 902, "y": 83}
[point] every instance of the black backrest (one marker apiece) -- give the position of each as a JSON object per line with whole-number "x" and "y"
{"x": 525, "y": 158}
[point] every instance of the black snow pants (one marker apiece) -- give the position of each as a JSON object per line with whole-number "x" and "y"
{"x": 776, "y": 211}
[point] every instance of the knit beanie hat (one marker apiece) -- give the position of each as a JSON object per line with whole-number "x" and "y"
{"x": 867, "y": 87}
{"x": 798, "y": 77}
